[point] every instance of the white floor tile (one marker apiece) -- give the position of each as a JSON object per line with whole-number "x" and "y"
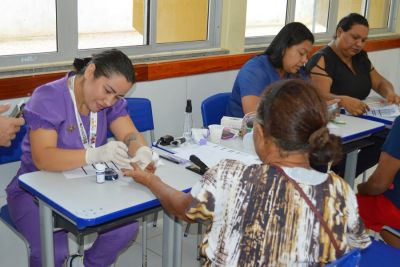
{"x": 132, "y": 257}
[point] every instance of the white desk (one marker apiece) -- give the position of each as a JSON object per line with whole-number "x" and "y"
{"x": 86, "y": 203}
{"x": 388, "y": 121}
{"x": 354, "y": 129}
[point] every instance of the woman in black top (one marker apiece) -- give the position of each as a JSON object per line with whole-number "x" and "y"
{"x": 343, "y": 71}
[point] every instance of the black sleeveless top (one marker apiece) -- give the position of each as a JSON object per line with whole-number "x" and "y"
{"x": 344, "y": 81}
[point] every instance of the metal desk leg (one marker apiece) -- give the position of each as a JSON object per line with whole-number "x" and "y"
{"x": 178, "y": 243}
{"x": 350, "y": 168}
{"x": 168, "y": 241}
{"x": 46, "y": 234}
{"x": 144, "y": 241}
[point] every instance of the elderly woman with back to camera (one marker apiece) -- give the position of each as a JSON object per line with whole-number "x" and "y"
{"x": 280, "y": 212}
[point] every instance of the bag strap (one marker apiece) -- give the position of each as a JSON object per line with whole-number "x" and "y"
{"x": 339, "y": 252}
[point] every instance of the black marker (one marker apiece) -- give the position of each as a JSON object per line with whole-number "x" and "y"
{"x": 84, "y": 170}
{"x": 169, "y": 158}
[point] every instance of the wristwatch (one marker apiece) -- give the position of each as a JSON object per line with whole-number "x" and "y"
{"x": 129, "y": 139}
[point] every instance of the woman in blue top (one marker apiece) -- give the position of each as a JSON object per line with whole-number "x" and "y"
{"x": 284, "y": 58}
{"x": 379, "y": 197}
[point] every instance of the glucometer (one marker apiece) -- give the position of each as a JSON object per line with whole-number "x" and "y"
{"x": 110, "y": 174}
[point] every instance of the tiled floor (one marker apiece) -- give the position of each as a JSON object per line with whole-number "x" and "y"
{"x": 133, "y": 255}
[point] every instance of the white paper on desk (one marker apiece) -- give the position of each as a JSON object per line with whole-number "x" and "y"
{"x": 211, "y": 154}
{"x": 86, "y": 171}
{"x": 379, "y": 107}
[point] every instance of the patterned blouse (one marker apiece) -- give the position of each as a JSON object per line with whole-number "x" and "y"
{"x": 259, "y": 219}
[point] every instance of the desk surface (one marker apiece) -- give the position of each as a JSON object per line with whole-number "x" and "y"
{"x": 86, "y": 203}
{"x": 354, "y": 128}
{"x": 388, "y": 121}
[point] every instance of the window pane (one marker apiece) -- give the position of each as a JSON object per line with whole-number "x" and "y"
{"x": 182, "y": 21}
{"x": 264, "y": 17}
{"x": 350, "y": 6}
{"x": 314, "y": 14}
{"x": 103, "y": 23}
{"x": 378, "y": 14}
{"x": 27, "y": 26}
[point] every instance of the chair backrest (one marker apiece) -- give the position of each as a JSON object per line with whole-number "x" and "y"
{"x": 351, "y": 258}
{"x": 213, "y": 108}
{"x": 13, "y": 153}
{"x": 379, "y": 254}
{"x": 5, "y": 216}
{"x": 141, "y": 114}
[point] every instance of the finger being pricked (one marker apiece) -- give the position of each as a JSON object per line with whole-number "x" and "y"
{"x": 151, "y": 167}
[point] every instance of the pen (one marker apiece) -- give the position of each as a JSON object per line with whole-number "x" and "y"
{"x": 84, "y": 170}
{"x": 169, "y": 158}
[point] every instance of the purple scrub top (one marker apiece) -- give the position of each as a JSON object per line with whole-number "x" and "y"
{"x": 51, "y": 107}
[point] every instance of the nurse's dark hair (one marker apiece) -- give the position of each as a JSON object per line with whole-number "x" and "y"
{"x": 295, "y": 116}
{"x": 352, "y": 19}
{"x": 291, "y": 34}
{"x": 107, "y": 63}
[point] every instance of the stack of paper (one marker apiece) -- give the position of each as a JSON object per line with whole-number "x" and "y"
{"x": 211, "y": 154}
{"x": 383, "y": 109}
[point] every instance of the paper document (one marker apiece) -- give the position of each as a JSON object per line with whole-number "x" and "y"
{"x": 211, "y": 154}
{"x": 379, "y": 107}
{"x": 87, "y": 170}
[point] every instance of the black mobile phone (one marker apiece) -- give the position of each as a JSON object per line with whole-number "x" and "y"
{"x": 17, "y": 111}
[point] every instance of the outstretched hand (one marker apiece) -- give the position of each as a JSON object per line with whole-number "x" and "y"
{"x": 139, "y": 175}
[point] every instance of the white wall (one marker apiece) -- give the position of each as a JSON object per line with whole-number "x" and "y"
{"x": 168, "y": 99}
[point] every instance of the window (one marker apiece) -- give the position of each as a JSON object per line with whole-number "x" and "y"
{"x": 320, "y": 16}
{"x": 57, "y": 30}
{"x": 34, "y": 32}
{"x": 376, "y": 11}
{"x": 314, "y": 14}
{"x": 262, "y": 20}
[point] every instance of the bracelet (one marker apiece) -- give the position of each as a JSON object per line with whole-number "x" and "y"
{"x": 129, "y": 139}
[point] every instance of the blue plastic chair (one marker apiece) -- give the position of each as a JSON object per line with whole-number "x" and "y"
{"x": 141, "y": 114}
{"x": 13, "y": 153}
{"x": 350, "y": 259}
{"x": 213, "y": 108}
{"x": 8, "y": 155}
{"x": 380, "y": 254}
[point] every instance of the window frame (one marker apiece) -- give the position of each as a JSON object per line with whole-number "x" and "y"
{"x": 67, "y": 38}
{"x": 331, "y": 24}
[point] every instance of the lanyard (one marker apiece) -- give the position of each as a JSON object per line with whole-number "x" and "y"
{"x": 91, "y": 142}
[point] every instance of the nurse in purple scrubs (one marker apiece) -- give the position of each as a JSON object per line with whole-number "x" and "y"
{"x": 67, "y": 122}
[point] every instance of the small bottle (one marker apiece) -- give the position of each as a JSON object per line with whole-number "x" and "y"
{"x": 100, "y": 173}
{"x": 187, "y": 127}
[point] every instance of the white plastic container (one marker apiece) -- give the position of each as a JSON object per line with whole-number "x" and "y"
{"x": 248, "y": 142}
{"x": 100, "y": 173}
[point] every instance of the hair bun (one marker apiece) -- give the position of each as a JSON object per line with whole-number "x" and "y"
{"x": 319, "y": 138}
{"x": 80, "y": 63}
